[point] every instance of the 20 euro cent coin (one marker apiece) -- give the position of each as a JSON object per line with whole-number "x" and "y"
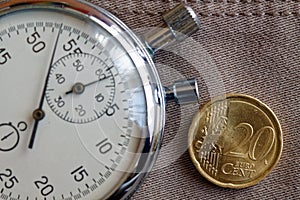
{"x": 235, "y": 141}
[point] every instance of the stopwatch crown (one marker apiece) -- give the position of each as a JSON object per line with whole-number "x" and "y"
{"x": 182, "y": 21}
{"x": 179, "y": 23}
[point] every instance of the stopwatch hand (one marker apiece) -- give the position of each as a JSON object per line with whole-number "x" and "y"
{"x": 39, "y": 114}
{"x": 78, "y": 88}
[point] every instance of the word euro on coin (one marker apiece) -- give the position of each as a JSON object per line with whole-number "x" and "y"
{"x": 235, "y": 141}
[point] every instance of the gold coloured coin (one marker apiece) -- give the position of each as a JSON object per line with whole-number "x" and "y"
{"x": 235, "y": 141}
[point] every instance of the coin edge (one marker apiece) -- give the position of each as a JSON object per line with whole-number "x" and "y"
{"x": 194, "y": 127}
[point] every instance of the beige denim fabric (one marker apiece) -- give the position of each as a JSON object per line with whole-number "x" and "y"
{"x": 245, "y": 46}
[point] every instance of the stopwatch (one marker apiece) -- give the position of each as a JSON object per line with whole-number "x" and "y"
{"x": 82, "y": 106}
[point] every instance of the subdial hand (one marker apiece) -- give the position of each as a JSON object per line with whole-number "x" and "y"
{"x": 39, "y": 114}
{"x": 78, "y": 88}
{"x": 7, "y": 136}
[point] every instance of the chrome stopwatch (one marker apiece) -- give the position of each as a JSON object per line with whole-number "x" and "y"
{"x": 82, "y": 106}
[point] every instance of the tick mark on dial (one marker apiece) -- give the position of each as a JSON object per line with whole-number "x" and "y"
{"x": 66, "y": 115}
{"x": 97, "y": 114}
{"x": 63, "y": 63}
{"x": 93, "y": 61}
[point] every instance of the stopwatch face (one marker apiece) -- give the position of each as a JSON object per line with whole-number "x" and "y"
{"x": 81, "y": 103}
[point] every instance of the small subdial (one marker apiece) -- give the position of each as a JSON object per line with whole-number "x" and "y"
{"x": 9, "y": 137}
{"x": 81, "y": 88}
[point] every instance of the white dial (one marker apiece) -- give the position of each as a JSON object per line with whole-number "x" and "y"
{"x": 75, "y": 92}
